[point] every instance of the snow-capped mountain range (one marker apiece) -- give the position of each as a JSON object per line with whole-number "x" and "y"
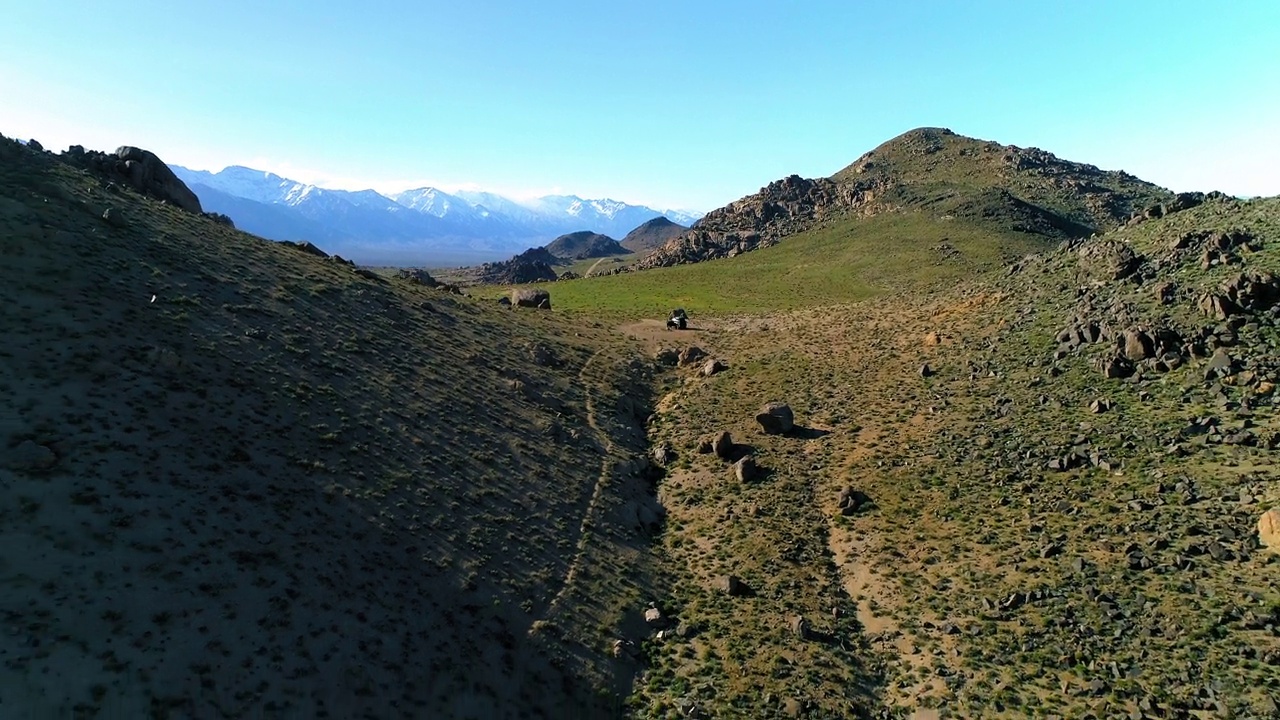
{"x": 425, "y": 226}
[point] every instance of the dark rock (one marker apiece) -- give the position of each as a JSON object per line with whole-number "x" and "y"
{"x": 1108, "y": 259}
{"x": 1115, "y": 367}
{"x": 1219, "y": 366}
{"x": 745, "y": 470}
{"x": 926, "y": 371}
{"x": 731, "y": 585}
{"x": 775, "y": 418}
{"x": 667, "y": 356}
{"x": 305, "y": 247}
{"x": 530, "y": 266}
{"x": 722, "y": 445}
{"x": 149, "y": 174}
{"x": 691, "y": 355}
{"x": 114, "y": 218}
{"x": 531, "y": 298}
{"x": 851, "y": 501}
{"x": 420, "y": 277}
{"x": 713, "y": 366}
{"x": 1135, "y": 345}
{"x": 664, "y": 454}
{"x": 1217, "y": 306}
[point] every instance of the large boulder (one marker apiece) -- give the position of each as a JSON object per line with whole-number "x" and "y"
{"x": 731, "y": 585}
{"x": 1269, "y": 530}
{"x": 1109, "y": 259}
{"x": 149, "y": 175}
{"x": 1135, "y": 345}
{"x": 691, "y": 355}
{"x": 531, "y": 297}
{"x": 776, "y": 418}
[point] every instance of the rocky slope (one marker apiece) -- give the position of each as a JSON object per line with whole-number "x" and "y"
{"x": 239, "y": 478}
{"x": 927, "y": 170}
{"x": 1046, "y": 491}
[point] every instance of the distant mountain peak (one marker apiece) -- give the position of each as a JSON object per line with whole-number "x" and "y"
{"x": 428, "y": 218}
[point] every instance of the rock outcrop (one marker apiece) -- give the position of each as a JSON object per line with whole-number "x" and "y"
{"x": 930, "y": 170}
{"x": 139, "y": 169}
{"x": 533, "y": 265}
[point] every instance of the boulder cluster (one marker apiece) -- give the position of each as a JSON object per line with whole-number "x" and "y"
{"x": 138, "y": 169}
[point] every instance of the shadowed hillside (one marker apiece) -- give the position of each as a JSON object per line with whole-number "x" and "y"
{"x": 243, "y": 478}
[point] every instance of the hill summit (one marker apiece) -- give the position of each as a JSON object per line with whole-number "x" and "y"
{"x": 933, "y": 171}
{"x": 584, "y": 244}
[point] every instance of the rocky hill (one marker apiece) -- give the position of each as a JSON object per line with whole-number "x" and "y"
{"x": 932, "y": 171}
{"x": 532, "y": 265}
{"x": 241, "y": 478}
{"x": 1046, "y": 490}
{"x": 651, "y": 235}
{"x": 583, "y": 245}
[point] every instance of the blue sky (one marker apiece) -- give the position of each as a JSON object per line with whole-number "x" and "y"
{"x": 677, "y": 104}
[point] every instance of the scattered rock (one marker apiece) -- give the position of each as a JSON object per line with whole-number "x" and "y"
{"x": 114, "y": 218}
{"x": 691, "y": 355}
{"x": 851, "y": 501}
{"x": 305, "y": 247}
{"x": 746, "y": 470}
{"x": 419, "y": 276}
{"x": 1099, "y": 406}
{"x": 667, "y": 356}
{"x": 712, "y": 367}
{"x": 1219, "y": 307}
{"x": 654, "y": 617}
{"x": 664, "y": 455}
{"x": 731, "y": 585}
{"x": 1109, "y": 259}
{"x": 1135, "y": 345}
{"x": 776, "y": 418}
{"x": 1219, "y": 366}
{"x": 926, "y": 371}
{"x": 800, "y": 627}
{"x": 722, "y": 445}
{"x": 1115, "y": 367}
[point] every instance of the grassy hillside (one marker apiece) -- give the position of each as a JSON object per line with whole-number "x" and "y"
{"x": 969, "y": 177}
{"x": 1034, "y": 538}
{"x": 841, "y": 262}
{"x": 243, "y": 480}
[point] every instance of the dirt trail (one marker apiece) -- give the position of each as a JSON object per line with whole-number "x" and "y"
{"x": 608, "y": 467}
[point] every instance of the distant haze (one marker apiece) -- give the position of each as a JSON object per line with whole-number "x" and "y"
{"x": 423, "y": 226}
